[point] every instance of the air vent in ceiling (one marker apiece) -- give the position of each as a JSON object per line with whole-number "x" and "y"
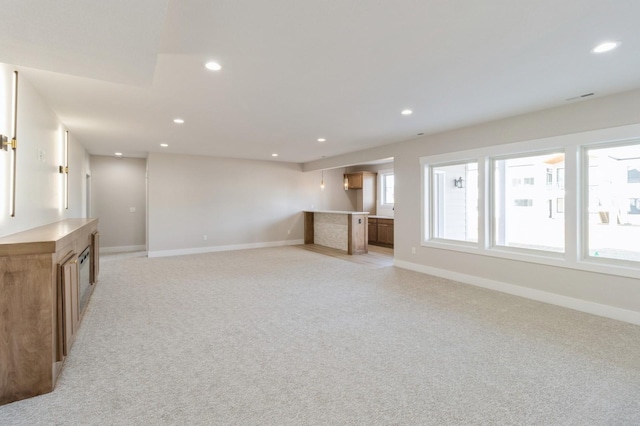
{"x": 586, "y": 95}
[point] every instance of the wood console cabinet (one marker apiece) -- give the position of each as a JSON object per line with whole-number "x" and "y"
{"x": 40, "y": 303}
{"x": 381, "y": 231}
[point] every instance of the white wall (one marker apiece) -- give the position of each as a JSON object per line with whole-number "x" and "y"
{"x": 39, "y": 185}
{"x": 235, "y": 203}
{"x": 609, "y": 295}
{"x": 117, "y": 186}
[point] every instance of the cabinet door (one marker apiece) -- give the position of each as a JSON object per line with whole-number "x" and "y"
{"x": 382, "y": 233}
{"x": 68, "y": 311}
{"x": 385, "y": 231}
{"x": 373, "y": 230}
{"x": 355, "y": 180}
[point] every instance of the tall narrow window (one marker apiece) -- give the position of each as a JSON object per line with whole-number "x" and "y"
{"x": 613, "y": 208}
{"x": 455, "y": 202}
{"x": 388, "y": 188}
{"x": 527, "y": 215}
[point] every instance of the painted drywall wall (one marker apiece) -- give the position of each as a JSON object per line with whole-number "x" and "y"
{"x": 118, "y": 185}
{"x": 529, "y": 279}
{"x": 232, "y": 203}
{"x": 39, "y": 185}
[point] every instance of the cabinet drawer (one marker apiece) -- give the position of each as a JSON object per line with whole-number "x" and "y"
{"x": 385, "y": 221}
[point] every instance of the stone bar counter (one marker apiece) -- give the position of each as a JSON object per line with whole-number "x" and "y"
{"x": 342, "y": 230}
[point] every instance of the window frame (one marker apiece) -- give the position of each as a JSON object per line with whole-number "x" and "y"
{"x": 383, "y": 189}
{"x": 585, "y": 257}
{"x": 516, "y": 155}
{"x": 431, "y": 203}
{"x": 575, "y": 186}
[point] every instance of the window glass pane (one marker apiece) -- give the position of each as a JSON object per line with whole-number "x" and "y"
{"x": 455, "y": 202}
{"x": 614, "y": 207}
{"x": 527, "y": 210}
{"x": 387, "y": 189}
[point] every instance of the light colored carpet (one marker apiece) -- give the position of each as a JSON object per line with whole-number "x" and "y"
{"x": 284, "y": 336}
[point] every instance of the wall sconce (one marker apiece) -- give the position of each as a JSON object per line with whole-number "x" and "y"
{"x": 13, "y": 144}
{"x": 322, "y": 182}
{"x": 65, "y": 170}
{"x": 458, "y": 182}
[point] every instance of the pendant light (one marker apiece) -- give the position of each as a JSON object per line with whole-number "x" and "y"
{"x": 322, "y": 181}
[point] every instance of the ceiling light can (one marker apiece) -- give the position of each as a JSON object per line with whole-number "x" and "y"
{"x": 213, "y": 66}
{"x": 605, "y": 46}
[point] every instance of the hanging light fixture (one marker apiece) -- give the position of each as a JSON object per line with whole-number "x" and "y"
{"x": 345, "y": 180}
{"x": 322, "y": 181}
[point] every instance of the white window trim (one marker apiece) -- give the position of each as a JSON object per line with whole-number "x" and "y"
{"x": 575, "y": 255}
{"x": 381, "y": 189}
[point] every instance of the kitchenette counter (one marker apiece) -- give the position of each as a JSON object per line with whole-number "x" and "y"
{"x": 342, "y": 230}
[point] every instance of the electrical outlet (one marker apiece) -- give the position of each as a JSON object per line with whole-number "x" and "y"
{"x": 204, "y": 237}
{"x": 289, "y": 232}
{"x": 413, "y": 250}
{"x": 132, "y": 209}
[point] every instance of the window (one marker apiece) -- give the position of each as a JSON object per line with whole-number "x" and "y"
{"x": 387, "y": 188}
{"x": 613, "y": 229}
{"x": 560, "y": 177}
{"x": 455, "y": 202}
{"x": 518, "y": 210}
{"x": 508, "y": 201}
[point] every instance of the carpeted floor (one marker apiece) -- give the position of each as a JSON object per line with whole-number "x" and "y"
{"x": 284, "y": 336}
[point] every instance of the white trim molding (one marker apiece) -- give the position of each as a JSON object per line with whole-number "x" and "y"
{"x": 122, "y": 249}
{"x": 599, "y": 309}
{"x": 211, "y": 249}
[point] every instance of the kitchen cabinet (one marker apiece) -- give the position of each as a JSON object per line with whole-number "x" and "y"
{"x": 354, "y": 180}
{"x": 381, "y": 231}
{"x": 40, "y": 309}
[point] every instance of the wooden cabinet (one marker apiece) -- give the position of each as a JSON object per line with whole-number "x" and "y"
{"x": 354, "y": 180}
{"x": 39, "y": 304}
{"x": 381, "y": 231}
{"x": 68, "y": 314}
{"x": 373, "y": 231}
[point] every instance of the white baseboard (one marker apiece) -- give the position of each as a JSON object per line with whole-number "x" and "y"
{"x": 198, "y": 250}
{"x": 122, "y": 249}
{"x": 599, "y": 309}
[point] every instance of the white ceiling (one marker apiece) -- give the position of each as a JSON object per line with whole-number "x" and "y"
{"x": 117, "y": 72}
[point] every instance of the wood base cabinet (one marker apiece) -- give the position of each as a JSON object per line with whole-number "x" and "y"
{"x": 39, "y": 303}
{"x": 381, "y": 232}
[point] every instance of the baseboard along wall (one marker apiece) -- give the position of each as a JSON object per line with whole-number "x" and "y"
{"x": 211, "y": 249}
{"x": 599, "y": 309}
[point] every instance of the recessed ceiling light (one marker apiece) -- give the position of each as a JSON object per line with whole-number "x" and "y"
{"x": 274, "y": 155}
{"x": 407, "y": 112}
{"x": 606, "y": 46}
{"x": 118, "y": 154}
{"x": 322, "y": 140}
{"x": 213, "y": 66}
{"x": 178, "y": 120}
{"x": 164, "y": 145}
